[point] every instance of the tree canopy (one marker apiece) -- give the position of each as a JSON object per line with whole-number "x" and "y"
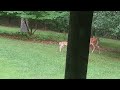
{"x": 107, "y": 23}
{"x": 104, "y": 24}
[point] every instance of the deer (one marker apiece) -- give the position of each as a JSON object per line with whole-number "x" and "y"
{"x": 62, "y": 44}
{"x": 93, "y": 42}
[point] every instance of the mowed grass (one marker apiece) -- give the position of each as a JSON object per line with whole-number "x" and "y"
{"x": 27, "y": 60}
{"x": 105, "y": 65}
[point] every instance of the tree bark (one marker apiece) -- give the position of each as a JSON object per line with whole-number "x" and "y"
{"x": 78, "y": 44}
{"x": 24, "y": 25}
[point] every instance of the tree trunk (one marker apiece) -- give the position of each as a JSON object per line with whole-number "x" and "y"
{"x": 78, "y": 44}
{"x": 24, "y": 25}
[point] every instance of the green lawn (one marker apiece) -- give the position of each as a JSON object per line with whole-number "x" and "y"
{"x": 29, "y": 60}
{"x": 20, "y": 59}
{"x": 105, "y": 65}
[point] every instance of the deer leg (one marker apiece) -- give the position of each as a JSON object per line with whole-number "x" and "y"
{"x": 60, "y": 48}
{"x": 93, "y": 48}
{"x": 98, "y": 48}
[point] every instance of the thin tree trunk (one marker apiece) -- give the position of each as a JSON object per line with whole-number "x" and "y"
{"x": 78, "y": 44}
{"x": 36, "y": 26}
{"x": 24, "y": 25}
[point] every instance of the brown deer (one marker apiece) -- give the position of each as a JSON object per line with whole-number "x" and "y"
{"x": 93, "y": 42}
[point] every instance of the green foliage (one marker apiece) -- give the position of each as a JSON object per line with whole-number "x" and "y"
{"x": 54, "y": 20}
{"x": 107, "y": 23}
{"x": 116, "y": 32}
{"x": 60, "y": 24}
{"x": 40, "y": 15}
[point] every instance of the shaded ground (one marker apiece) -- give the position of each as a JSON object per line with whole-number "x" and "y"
{"x": 27, "y": 39}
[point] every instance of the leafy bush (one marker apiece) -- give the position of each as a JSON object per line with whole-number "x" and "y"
{"x": 106, "y": 24}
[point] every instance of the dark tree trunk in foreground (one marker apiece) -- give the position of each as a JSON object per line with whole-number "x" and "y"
{"x": 78, "y": 44}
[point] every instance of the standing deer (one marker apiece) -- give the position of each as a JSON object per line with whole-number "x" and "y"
{"x": 93, "y": 42}
{"x": 62, "y": 44}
